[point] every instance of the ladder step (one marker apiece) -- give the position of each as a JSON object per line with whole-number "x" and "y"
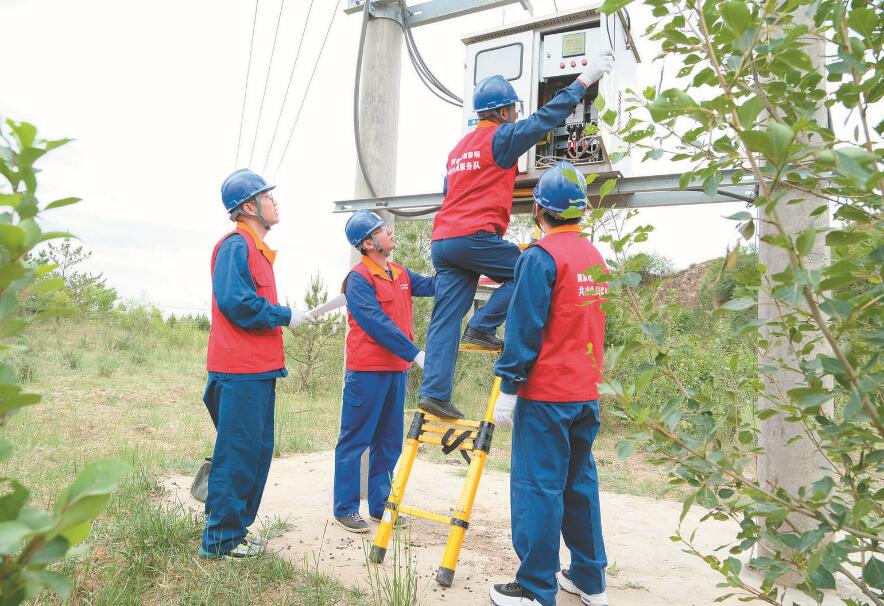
{"x": 427, "y": 515}
{"x": 465, "y": 423}
{"x": 479, "y": 348}
{"x": 437, "y": 440}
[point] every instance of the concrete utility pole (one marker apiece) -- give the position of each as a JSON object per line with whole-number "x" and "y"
{"x": 797, "y": 464}
{"x": 379, "y": 128}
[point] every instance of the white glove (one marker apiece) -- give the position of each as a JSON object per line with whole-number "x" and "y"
{"x": 503, "y": 409}
{"x": 419, "y": 358}
{"x": 598, "y": 66}
{"x": 299, "y": 317}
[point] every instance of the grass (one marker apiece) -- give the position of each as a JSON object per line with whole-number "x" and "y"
{"x": 131, "y": 388}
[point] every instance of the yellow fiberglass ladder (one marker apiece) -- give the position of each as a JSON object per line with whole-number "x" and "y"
{"x": 473, "y": 440}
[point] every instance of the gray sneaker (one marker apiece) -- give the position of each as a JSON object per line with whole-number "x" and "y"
{"x": 352, "y": 523}
{"x": 243, "y": 550}
{"x": 256, "y": 539}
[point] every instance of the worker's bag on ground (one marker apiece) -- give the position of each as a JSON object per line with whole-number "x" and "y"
{"x": 199, "y": 489}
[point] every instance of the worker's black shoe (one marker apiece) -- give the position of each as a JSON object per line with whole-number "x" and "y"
{"x": 474, "y": 337}
{"x": 440, "y": 408}
{"x": 512, "y": 594}
{"x": 353, "y": 522}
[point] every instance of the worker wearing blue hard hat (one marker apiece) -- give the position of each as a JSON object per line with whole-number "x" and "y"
{"x": 245, "y": 357}
{"x": 380, "y": 350}
{"x": 549, "y": 396}
{"x": 468, "y": 230}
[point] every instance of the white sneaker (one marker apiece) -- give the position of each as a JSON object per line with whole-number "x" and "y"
{"x": 593, "y": 599}
{"x": 512, "y": 594}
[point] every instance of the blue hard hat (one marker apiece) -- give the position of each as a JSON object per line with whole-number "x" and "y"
{"x": 240, "y": 186}
{"x": 493, "y": 92}
{"x": 561, "y": 187}
{"x": 360, "y": 225}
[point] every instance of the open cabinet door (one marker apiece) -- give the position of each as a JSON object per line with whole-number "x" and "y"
{"x": 509, "y": 56}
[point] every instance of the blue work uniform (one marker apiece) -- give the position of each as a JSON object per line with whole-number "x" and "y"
{"x": 460, "y": 260}
{"x": 553, "y": 477}
{"x": 374, "y": 400}
{"x": 241, "y": 405}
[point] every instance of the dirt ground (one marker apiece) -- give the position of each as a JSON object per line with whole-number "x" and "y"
{"x": 645, "y": 567}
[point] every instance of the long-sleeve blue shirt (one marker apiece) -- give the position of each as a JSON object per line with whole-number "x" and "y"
{"x": 363, "y": 304}
{"x": 238, "y": 299}
{"x": 535, "y": 276}
{"x": 512, "y": 139}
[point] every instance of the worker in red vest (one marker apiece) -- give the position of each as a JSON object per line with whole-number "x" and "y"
{"x": 468, "y": 230}
{"x": 380, "y": 350}
{"x": 245, "y": 358}
{"x": 550, "y": 369}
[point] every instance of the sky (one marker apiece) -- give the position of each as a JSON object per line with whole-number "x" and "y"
{"x": 152, "y": 94}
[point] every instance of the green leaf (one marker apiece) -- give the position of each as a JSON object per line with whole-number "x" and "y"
{"x": 47, "y": 285}
{"x": 822, "y": 488}
{"x": 739, "y": 304}
{"x": 77, "y": 534}
{"x": 873, "y": 573}
{"x": 766, "y": 413}
{"x": 10, "y": 199}
{"x": 822, "y": 578}
{"x": 606, "y": 188}
{"x": 804, "y": 243}
{"x": 864, "y": 21}
{"x": 12, "y": 533}
{"x": 98, "y": 478}
{"x": 11, "y": 237}
{"x": 610, "y": 7}
{"x": 14, "y": 498}
{"x": 53, "y": 581}
{"x": 845, "y": 238}
{"x": 736, "y": 16}
{"x": 62, "y": 202}
{"x": 747, "y": 229}
{"x": 24, "y": 132}
{"x": 749, "y": 111}
{"x": 599, "y": 103}
{"x": 742, "y": 215}
{"x": 53, "y": 551}
{"x": 780, "y": 138}
{"x": 671, "y": 103}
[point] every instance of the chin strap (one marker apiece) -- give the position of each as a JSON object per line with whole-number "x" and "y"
{"x": 238, "y": 211}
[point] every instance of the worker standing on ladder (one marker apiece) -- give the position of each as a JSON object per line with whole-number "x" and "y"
{"x": 245, "y": 358}
{"x": 380, "y": 350}
{"x": 468, "y": 230}
{"x": 550, "y": 369}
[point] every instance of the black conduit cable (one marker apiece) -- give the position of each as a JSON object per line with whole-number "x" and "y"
{"x": 245, "y": 92}
{"x": 410, "y": 39}
{"x": 307, "y": 90}
{"x": 356, "y": 85}
{"x": 288, "y": 86}
{"x": 266, "y": 80}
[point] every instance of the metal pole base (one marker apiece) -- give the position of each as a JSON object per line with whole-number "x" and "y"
{"x": 377, "y": 554}
{"x": 445, "y": 576}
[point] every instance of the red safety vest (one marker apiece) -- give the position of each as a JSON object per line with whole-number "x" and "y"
{"x": 565, "y": 370}
{"x": 363, "y": 352}
{"x": 480, "y": 193}
{"x": 236, "y": 350}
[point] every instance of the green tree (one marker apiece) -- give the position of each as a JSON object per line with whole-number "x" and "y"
{"x": 32, "y": 539}
{"x": 751, "y": 108}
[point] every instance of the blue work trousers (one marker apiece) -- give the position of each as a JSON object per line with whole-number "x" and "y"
{"x": 243, "y": 415}
{"x": 458, "y": 263}
{"x": 554, "y": 489}
{"x": 371, "y": 417}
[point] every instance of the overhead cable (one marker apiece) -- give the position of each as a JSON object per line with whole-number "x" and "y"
{"x": 288, "y": 86}
{"x": 246, "y": 87}
{"x": 266, "y": 80}
{"x": 307, "y": 90}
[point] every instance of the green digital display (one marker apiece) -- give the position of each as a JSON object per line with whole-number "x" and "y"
{"x": 574, "y": 45}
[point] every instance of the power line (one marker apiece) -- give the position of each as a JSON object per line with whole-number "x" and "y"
{"x": 556, "y": 5}
{"x": 307, "y": 90}
{"x": 288, "y": 86}
{"x": 266, "y": 80}
{"x": 245, "y": 91}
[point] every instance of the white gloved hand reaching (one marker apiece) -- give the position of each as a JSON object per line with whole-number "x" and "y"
{"x": 419, "y": 358}
{"x": 503, "y": 409}
{"x": 598, "y": 66}
{"x": 299, "y": 317}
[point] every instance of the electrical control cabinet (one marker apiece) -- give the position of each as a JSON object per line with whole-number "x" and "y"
{"x": 540, "y": 57}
